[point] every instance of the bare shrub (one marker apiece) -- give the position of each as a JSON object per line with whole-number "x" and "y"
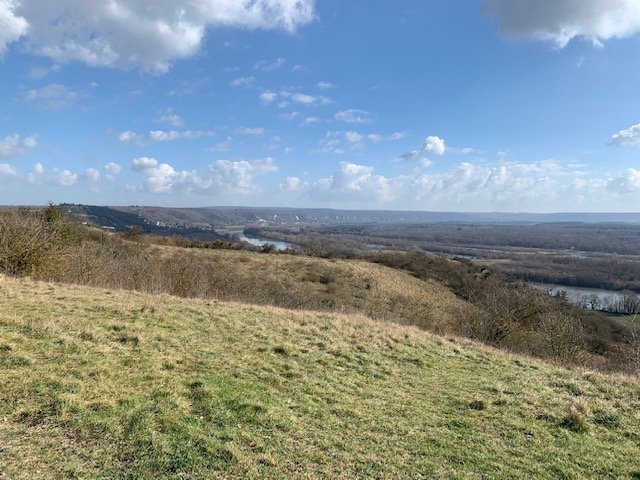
{"x": 32, "y": 241}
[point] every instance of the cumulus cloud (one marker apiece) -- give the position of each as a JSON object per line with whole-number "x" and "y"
{"x": 293, "y": 184}
{"x": 12, "y": 26}
{"x": 325, "y": 85}
{"x": 432, "y": 145}
{"x": 113, "y": 168}
{"x": 129, "y": 136}
{"x": 7, "y": 171}
{"x": 268, "y": 97}
{"x": 629, "y": 182}
{"x": 143, "y": 163}
{"x": 534, "y": 186}
{"x": 354, "y": 138}
{"x": 627, "y": 138}
{"x": 64, "y": 178}
{"x": 560, "y": 21}
{"x": 353, "y": 115}
{"x": 221, "y": 176}
{"x": 14, "y": 145}
{"x": 353, "y": 183}
{"x": 146, "y": 35}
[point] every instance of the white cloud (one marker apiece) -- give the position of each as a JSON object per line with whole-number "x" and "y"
{"x": 309, "y": 100}
{"x": 12, "y": 26}
{"x": 377, "y": 138}
{"x": 238, "y": 177}
{"x": 290, "y": 115}
{"x": 171, "y": 119}
{"x": 162, "y": 136}
{"x": 222, "y": 176}
{"x": 64, "y": 178}
{"x": 353, "y": 137}
{"x": 397, "y": 136}
{"x": 113, "y": 168}
{"x": 297, "y": 97}
{"x": 538, "y": 186}
{"x": 629, "y": 182}
{"x": 627, "y": 138}
{"x": 129, "y": 136}
{"x": 326, "y": 85}
{"x": 268, "y": 97}
{"x": 92, "y": 174}
{"x": 267, "y": 66}
{"x": 53, "y": 95}
{"x": 310, "y": 121}
{"x": 293, "y": 184}
{"x": 144, "y": 163}
{"x": 14, "y": 145}
{"x": 434, "y": 145}
{"x": 250, "y": 130}
{"x": 34, "y": 177}
{"x": 333, "y": 143}
{"x": 560, "y": 21}
{"x": 7, "y": 170}
{"x": 353, "y": 183}
{"x": 353, "y": 115}
{"x": 146, "y": 35}
{"x": 243, "y": 82}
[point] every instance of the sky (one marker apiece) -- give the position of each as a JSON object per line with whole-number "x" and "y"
{"x": 433, "y": 105}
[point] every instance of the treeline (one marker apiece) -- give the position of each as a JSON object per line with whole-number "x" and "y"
{"x": 558, "y": 264}
{"x": 622, "y": 239}
{"x": 500, "y": 312}
{"x": 608, "y": 273}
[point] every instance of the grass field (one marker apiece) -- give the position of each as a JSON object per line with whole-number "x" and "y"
{"x": 110, "y": 384}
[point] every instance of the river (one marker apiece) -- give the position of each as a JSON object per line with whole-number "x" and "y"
{"x": 575, "y": 294}
{"x": 260, "y": 242}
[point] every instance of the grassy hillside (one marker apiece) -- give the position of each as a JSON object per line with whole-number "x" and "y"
{"x": 98, "y": 383}
{"x": 438, "y": 294}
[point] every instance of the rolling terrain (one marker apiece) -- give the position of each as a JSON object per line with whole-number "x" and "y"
{"x": 103, "y": 383}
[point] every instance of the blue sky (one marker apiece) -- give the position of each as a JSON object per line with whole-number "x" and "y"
{"x": 483, "y": 105}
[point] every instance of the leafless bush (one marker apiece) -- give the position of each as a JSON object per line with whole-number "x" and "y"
{"x": 32, "y": 241}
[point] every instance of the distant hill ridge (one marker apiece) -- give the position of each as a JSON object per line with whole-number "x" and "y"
{"x": 207, "y": 218}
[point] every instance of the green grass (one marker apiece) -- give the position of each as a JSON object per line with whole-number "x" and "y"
{"x": 111, "y": 384}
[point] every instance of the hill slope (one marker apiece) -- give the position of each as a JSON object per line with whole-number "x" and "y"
{"x": 108, "y": 384}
